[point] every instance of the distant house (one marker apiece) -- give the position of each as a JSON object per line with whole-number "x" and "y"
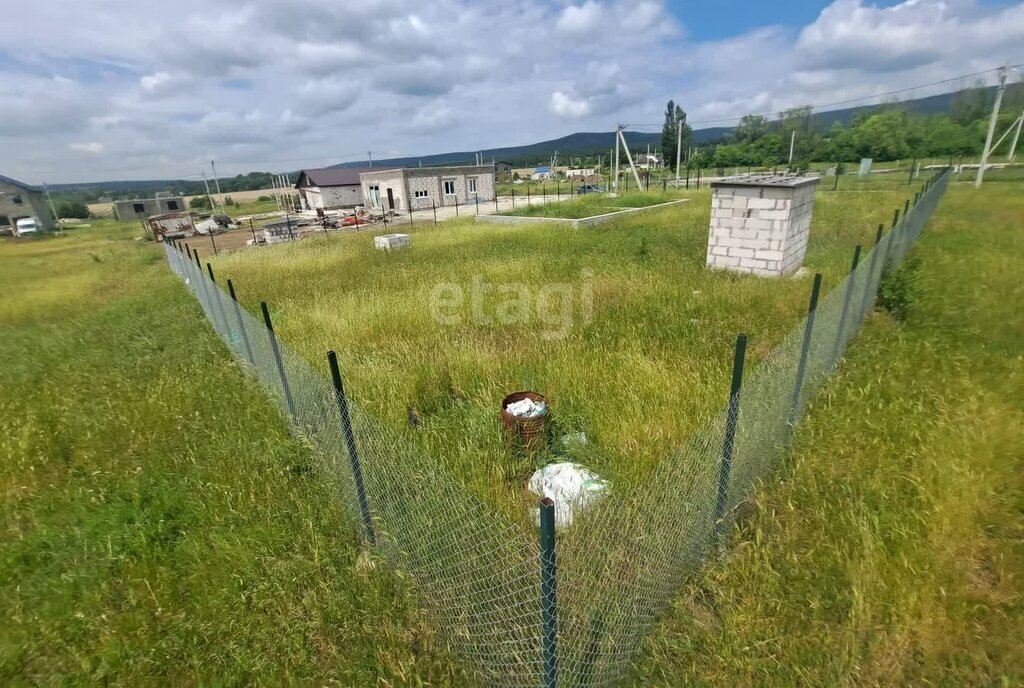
{"x": 503, "y": 170}
{"x": 422, "y": 188}
{"x": 541, "y": 173}
{"x": 580, "y": 172}
{"x": 646, "y": 161}
{"x": 19, "y": 200}
{"x": 141, "y": 208}
{"x": 333, "y": 187}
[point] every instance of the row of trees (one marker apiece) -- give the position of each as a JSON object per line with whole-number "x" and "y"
{"x": 890, "y": 132}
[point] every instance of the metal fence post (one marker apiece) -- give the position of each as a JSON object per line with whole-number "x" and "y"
{"x": 410, "y": 215}
{"x": 548, "y": 593}
{"x": 214, "y": 243}
{"x": 732, "y": 418}
{"x": 687, "y": 177}
{"x": 868, "y": 299}
{"x": 216, "y": 297}
{"x": 350, "y": 443}
{"x": 801, "y": 368}
{"x": 513, "y": 199}
{"x": 906, "y": 208}
{"x": 241, "y": 324}
{"x": 289, "y": 402}
{"x": 895, "y": 218}
{"x": 836, "y": 351}
{"x": 433, "y": 206}
{"x": 456, "y": 206}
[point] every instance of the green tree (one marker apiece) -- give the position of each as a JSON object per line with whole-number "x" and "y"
{"x": 675, "y": 118}
{"x": 73, "y": 209}
{"x": 200, "y": 203}
{"x": 750, "y": 128}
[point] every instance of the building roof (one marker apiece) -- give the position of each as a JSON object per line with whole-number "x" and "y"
{"x": 21, "y": 185}
{"x": 542, "y": 170}
{"x": 332, "y": 176}
{"x": 759, "y": 179}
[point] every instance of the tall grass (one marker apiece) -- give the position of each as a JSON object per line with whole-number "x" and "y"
{"x": 635, "y": 378}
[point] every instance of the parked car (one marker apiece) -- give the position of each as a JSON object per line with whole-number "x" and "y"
{"x": 26, "y": 225}
{"x": 589, "y": 188}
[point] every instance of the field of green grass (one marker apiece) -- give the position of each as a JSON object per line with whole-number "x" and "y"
{"x": 636, "y": 375}
{"x": 589, "y": 205}
{"x": 161, "y": 527}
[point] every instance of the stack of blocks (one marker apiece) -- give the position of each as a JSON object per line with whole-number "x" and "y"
{"x": 760, "y": 223}
{"x": 388, "y": 242}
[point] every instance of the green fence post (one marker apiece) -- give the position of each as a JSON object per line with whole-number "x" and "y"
{"x": 868, "y": 299}
{"x": 801, "y": 368}
{"x": 216, "y": 297}
{"x": 548, "y": 593}
{"x": 837, "y": 350}
{"x": 350, "y": 443}
{"x": 275, "y": 347}
{"x": 241, "y": 324}
{"x": 732, "y": 417}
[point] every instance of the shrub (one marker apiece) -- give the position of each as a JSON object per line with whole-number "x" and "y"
{"x": 73, "y": 209}
{"x": 263, "y": 199}
{"x": 899, "y": 288}
{"x": 229, "y": 201}
{"x": 200, "y": 202}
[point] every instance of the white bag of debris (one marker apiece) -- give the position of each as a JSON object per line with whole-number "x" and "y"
{"x": 571, "y": 486}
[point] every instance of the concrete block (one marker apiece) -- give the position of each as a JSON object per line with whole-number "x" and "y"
{"x": 740, "y": 252}
{"x": 387, "y": 242}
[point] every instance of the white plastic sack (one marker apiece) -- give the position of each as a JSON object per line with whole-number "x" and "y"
{"x": 527, "y": 408}
{"x": 571, "y": 486}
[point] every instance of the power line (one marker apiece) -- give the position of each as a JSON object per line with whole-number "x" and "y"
{"x": 847, "y": 101}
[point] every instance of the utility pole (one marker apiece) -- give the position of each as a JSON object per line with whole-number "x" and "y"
{"x": 636, "y": 175}
{"x": 792, "y": 141}
{"x": 206, "y": 183}
{"x": 679, "y": 146}
{"x": 1016, "y": 138}
{"x": 56, "y": 220}
{"x": 277, "y": 195}
{"x": 615, "y": 182}
{"x": 991, "y": 128}
{"x": 216, "y": 182}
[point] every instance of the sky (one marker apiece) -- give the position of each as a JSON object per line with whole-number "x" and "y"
{"x": 139, "y": 89}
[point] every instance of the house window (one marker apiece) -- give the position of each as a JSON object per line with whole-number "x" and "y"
{"x": 139, "y": 207}
{"x": 420, "y": 194}
{"x": 374, "y": 195}
{"x": 172, "y": 205}
{"x": 449, "y": 187}
{"x": 17, "y": 200}
{"x": 471, "y": 182}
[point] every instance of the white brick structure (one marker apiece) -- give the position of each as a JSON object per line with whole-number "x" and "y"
{"x": 760, "y": 223}
{"x": 425, "y": 187}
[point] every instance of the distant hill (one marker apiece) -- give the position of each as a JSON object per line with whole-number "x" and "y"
{"x": 573, "y": 145}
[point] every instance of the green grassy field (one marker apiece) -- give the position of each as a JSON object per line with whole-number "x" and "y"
{"x": 160, "y": 525}
{"x": 891, "y": 551}
{"x": 636, "y": 376}
{"x": 589, "y": 205}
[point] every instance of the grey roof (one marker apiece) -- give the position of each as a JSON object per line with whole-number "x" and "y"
{"x": 331, "y": 176}
{"x": 22, "y": 185}
{"x": 787, "y": 180}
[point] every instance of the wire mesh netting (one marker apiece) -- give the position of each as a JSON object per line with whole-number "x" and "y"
{"x": 478, "y": 576}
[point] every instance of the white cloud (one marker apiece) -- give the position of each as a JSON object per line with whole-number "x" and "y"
{"x": 92, "y": 147}
{"x": 432, "y": 119}
{"x": 283, "y": 84}
{"x": 565, "y": 105}
{"x": 581, "y": 19}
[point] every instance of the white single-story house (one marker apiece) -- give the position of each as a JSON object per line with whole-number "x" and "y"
{"x": 333, "y": 187}
{"x": 422, "y": 188}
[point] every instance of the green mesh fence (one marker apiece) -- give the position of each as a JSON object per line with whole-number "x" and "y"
{"x": 622, "y": 561}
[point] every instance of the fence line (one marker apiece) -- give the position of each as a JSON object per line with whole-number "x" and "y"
{"x": 489, "y": 588}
